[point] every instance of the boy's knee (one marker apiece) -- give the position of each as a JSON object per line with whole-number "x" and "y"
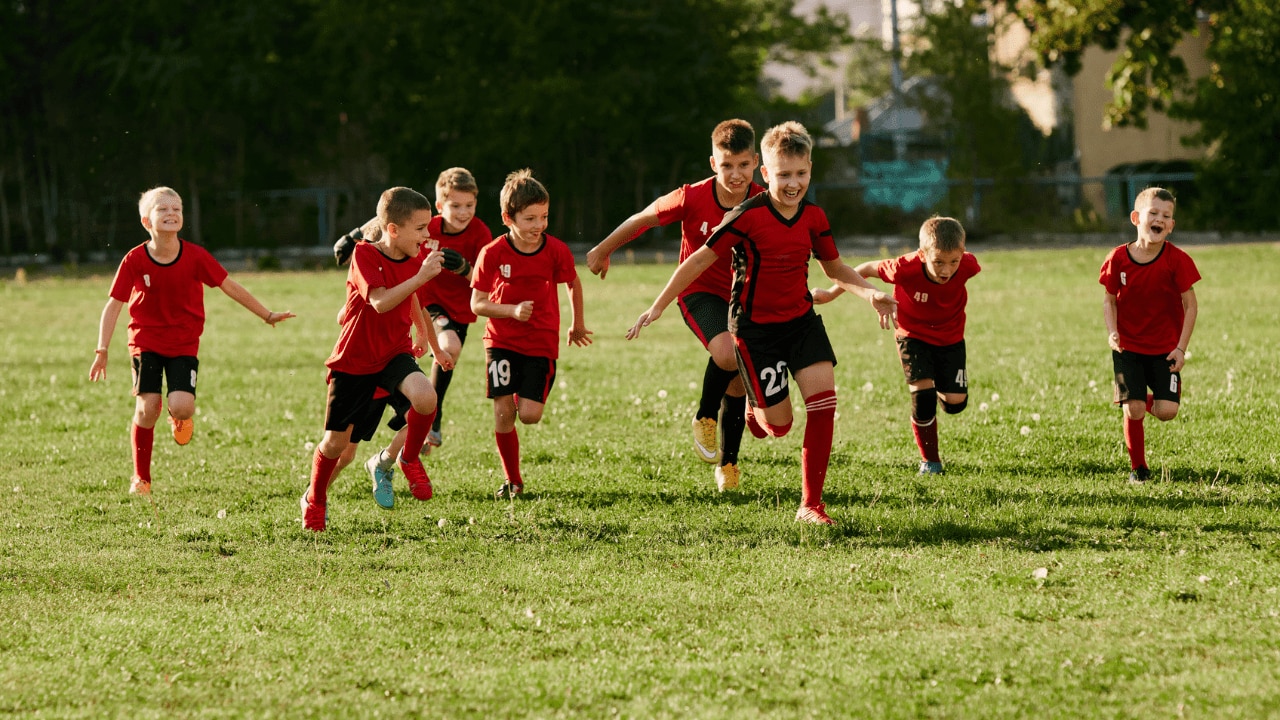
{"x": 924, "y": 405}
{"x": 726, "y": 361}
{"x": 1165, "y": 412}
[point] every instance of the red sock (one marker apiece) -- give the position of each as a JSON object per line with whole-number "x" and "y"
{"x": 754, "y": 425}
{"x": 1151, "y": 400}
{"x": 777, "y": 430}
{"x": 927, "y": 440}
{"x": 418, "y": 426}
{"x": 143, "y": 440}
{"x": 1135, "y": 440}
{"x": 816, "y": 454}
{"x": 321, "y": 473}
{"x": 509, "y": 453}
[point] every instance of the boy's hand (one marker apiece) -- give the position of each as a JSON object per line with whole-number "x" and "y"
{"x": 454, "y": 262}
{"x": 98, "y": 370}
{"x": 1177, "y": 358}
{"x": 444, "y": 359}
{"x": 822, "y": 296}
{"x": 646, "y": 318}
{"x": 888, "y": 309}
{"x": 431, "y": 266}
{"x": 598, "y": 262}
{"x": 579, "y": 336}
{"x": 523, "y": 311}
{"x": 275, "y": 317}
{"x": 1113, "y": 340}
{"x": 417, "y": 349}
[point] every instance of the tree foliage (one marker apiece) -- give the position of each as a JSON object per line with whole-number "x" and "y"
{"x": 226, "y": 101}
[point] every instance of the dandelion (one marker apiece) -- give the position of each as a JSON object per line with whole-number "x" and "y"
{"x": 1040, "y": 573}
{"x": 1093, "y": 384}
{"x": 1025, "y": 431}
{"x": 693, "y": 386}
{"x": 442, "y": 522}
{"x": 1204, "y": 578}
{"x": 868, "y": 387}
{"x": 309, "y": 446}
{"x": 53, "y": 379}
{"x": 995, "y": 397}
{"x": 17, "y": 488}
{"x": 638, "y": 401}
{"x": 564, "y": 384}
{"x": 1035, "y": 417}
{"x": 982, "y": 407}
{"x": 288, "y": 414}
{"x": 662, "y": 394}
{"x": 222, "y": 514}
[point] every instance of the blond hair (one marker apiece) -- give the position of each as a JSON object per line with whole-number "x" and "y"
{"x": 151, "y": 197}
{"x": 1146, "y": 197}
{"x": 456, "y": 178}
{"x": 943, "y": 234}
{"x": 790, "y": 138}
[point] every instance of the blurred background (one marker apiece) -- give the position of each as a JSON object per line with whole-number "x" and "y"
{"x": 280, "y": 122}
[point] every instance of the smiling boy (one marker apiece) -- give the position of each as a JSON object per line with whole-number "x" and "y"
{"x": 1150, "y": 312}
{"x": 771, "y": 238}
{"x": 929, "y": 285}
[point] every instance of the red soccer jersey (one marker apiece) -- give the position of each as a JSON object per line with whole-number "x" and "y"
{"x": 369, "y": 339}
{"x": 1149, "y": 310}
{"x": 166, "y": 302}
{"x": 928, "y": 310}
{"x": 771, "y": 259}
{"x": 699, "y": 211}
{"x": 511, "y": 277}
{"x": 450, "y": 290}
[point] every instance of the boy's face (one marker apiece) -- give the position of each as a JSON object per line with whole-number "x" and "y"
{"x": 734, "y": 171}
{"x": 528, "y": 224}
{"x": 409, "y": 237}
{"x": 941, "y": 265}
{"x": 165, "y": 215}
{"x": 456, "y": 208}
{"x": 788, "y": 178}
{"x": 1154, "y": 221}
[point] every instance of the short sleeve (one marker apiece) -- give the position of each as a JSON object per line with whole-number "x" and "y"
{"x": 212, "y": 273}
{"x": 888, "y": 269}
{"x": 122, "y": 285}
{"x": 1108, "y": 277}
{"x": 1186, "y": 274}
{"x": 565, "y": 270}
{"x": 671, "y": 206}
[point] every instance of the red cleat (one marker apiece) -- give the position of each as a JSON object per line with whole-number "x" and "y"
{"x": 314, "y": 516}
{"x": 815, "y": 515}
{"x": 753, "y": 425}
{"x": 416, "y": 474}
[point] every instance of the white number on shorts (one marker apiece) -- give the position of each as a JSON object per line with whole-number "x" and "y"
{"x": 500, "y": 373}
{"x": 1173, "y": 383}
{"x": 774, "y": 378}
{"x": 193, "y": 379}
{"x": 961, "y": 380}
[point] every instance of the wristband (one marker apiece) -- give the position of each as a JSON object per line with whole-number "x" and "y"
{"x": 1181, "y": 350}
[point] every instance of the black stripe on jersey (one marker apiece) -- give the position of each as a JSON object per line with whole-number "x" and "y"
{"x": 746, "y": 263}
{"x": 730, "y": 217}
{"x": 789, "y": 222}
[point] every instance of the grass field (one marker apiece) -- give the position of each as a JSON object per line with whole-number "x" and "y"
{"x": 1030, "y": 580}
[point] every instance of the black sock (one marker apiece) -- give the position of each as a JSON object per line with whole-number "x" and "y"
{"x": 440, "y": 379}
{"x": 733, "y": 421}
{"x": 714, "y": 382}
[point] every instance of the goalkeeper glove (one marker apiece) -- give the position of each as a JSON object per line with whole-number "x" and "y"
{"x": 346, "y": 245}
{"x": 454, "y": 262}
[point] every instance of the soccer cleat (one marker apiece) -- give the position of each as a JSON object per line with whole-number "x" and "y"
{"x": 419, "y": 483}
{"x": 705, "y": 441}
{"x": 727, "y": 477}
{"x": 754, "y": 426}
{"x": 314, "y": 517}
{"x": 509, "y": 490}
{"x": 815, "y": 515}
{"x": 1139, "y": 475}
{"x": 182, "y": 429}
{"x": 434, "y": 439}
{"x": 138, "y": 486}
{"x": 929, "y": 467}
{"x": 383, "y": 492}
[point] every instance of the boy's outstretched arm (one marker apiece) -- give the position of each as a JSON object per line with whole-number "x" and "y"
{"x": 236, "y": 291}
{"x": 106, "y": 326}
{"x": 870, "y": 268}
{"x": 853, "y": 281}
{"x": 578, "y": 333}
{"x": 598, "y": 256}
{"x": 693, "y": 266}
{"x": 1109, "y": 318}
{"x": 1178, "y": 356}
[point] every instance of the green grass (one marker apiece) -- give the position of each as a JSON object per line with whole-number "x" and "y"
{"x": 625, "y": 584}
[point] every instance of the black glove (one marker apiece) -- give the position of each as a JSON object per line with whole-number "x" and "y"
{"x": 346, "y": 245}
{"x": 454, "y": 262}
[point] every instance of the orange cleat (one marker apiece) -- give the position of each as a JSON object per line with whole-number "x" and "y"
{"x": 815, "y": 515}
{"x": 182, "y": 429}
{"x": 138, "y": 486}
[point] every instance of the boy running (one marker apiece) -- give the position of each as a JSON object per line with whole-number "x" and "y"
{"x": 515, "y": 287}
{"x": 162, "y": 280}
{"x": 775, "y": 331}
{"x": 1150, "y": 311}
{"x": 374, "y": 350}
{"x": 699, "y": 208}
{"x": 929, "y": 286}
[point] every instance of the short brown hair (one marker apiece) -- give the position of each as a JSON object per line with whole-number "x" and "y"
{"x": 148, "y": 199}
{"x": 456, "y": 178}
{"x": 398, "y": 204}
{"x": 1153, "y": 193}
{"x": 734, "y": 136}
{"x": 942, "y": 233}
{"x": 790, "y": 138}
{"x": 521, "y": 190}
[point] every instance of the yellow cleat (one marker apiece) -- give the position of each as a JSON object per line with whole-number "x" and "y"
{"x": 727, "y": 477}
{"x": 705, "y": 441}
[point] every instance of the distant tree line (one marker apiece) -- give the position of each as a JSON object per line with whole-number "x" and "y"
{"x": 232, "y": 101}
